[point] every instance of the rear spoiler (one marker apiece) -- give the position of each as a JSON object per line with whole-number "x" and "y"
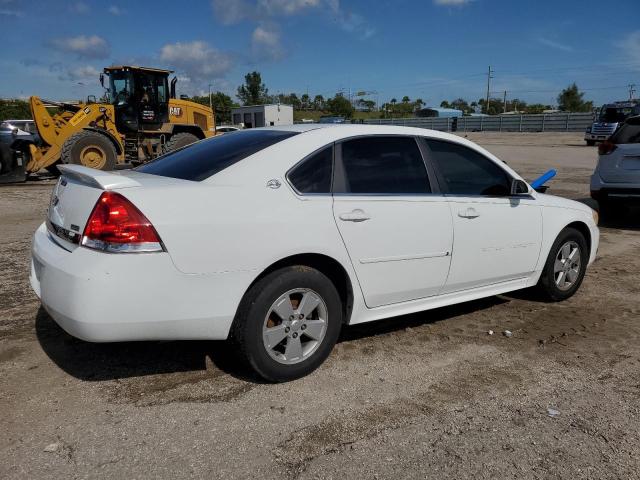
{"x": 97, "y": 178}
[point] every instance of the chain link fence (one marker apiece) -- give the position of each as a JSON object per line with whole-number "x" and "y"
{"x": 546, "y": 122}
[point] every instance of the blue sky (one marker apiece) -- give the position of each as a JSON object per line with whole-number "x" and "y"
{"x": 431, "y": 49}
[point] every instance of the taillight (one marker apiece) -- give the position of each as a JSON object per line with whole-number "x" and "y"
{"x": 606, "y": 147}
{"x": 117, "y": 226}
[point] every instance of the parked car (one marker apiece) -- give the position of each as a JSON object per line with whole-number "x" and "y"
{"x": 617, "y": 174}
{"x": 227, "y": 129}
{"x": 24, "y": 127}
{"x": 276, "y": 237}
{"x": 609, "y": 118}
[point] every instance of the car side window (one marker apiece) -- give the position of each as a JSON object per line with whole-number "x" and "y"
{"x": 313, "y": 175}
{"x": 467, "y": 172}
{"x": 383, "y": 165}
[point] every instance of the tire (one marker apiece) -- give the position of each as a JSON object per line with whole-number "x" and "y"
{"x": 6, "y": 159}
{"x": 53, "y": 170}
{"x": 257, "y": 315}
{"x": 548, "y": 283}
{"x": 179, "y": 140}
{"x": 89, "y": 149}
{"x": 591, "y": 143}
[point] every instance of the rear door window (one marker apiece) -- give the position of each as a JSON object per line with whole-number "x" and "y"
{"x": 467, "y": 172}
{"x": 380, "y": 165}
{"x": 206, "y": 158}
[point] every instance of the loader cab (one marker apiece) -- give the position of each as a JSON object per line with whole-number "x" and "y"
{"x": 140, "y": 97}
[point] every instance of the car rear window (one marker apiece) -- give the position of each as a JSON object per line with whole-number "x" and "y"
{"x": 208, "y": 157}
{"x": 627, "y": 133}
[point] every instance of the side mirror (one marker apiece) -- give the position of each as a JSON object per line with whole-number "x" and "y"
{"x": 102, "y": 79}
{"x": 519, "y": 187}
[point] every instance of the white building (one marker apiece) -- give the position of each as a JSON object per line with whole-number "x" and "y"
{"x": 262, "y": 115}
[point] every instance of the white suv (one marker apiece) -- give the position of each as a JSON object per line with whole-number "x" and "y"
{"x": 617, "y": 175}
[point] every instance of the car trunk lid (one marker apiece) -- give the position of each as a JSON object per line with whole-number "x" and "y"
{"x": 622, "y": 165}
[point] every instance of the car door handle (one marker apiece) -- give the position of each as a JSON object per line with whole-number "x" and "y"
{"x": 468, "y": 213}
{"x": 356, "y": 215}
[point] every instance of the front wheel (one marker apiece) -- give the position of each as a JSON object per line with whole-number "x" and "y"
{"x": 288, "y": 323}
{"x": 590, "y": 143}
{"x": 179, "y": 140}
{"x": 565, "y": 267}
{"x": 89, "y": 149}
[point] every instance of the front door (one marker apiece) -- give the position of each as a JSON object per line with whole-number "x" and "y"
{"x": 397, "y": 233}
{"x": 497, "y": 237}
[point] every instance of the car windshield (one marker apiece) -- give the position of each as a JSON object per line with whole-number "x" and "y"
{"x": 614, "y": 115}
{"x": 206, "y": 158}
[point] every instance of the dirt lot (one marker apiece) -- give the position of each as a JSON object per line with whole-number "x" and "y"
{"x": 430, "y": 395}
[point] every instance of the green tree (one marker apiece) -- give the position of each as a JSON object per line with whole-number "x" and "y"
{"x": 222, "y": 105}
{"x": 339, "y": 105}
{"x": 445, "y": 104}
{"x": 405, "y": 99}
{"x": 536, "y": 108}
{"x": 304, "y": 99}
{"x": 253, "y": 92}
{"x": 14, "y": 109}
{"x": 571, "y": 100}
{"x": 419, "y": 103}
{"x": 318, "y": 102}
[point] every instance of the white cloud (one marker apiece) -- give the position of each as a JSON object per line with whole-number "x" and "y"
{"x": 355, "y": 23}
{"x": 86, "y": 72}
{"x": 553, "y": 44}
{"x": 232, "y": 11}
{"x": 196, "y": 60}
{"x": 116, "y": 10}
{"x": 288, "y": 7}
{"x": 451, "y": 3}
{"x": 265, "y": 43}
{"x": 79, "y": 7}
{"x": 630, "y": 48}
{"x": 84, "y": 46}
{"x": 260, "y": 11}
{"x": 10, "y": 13}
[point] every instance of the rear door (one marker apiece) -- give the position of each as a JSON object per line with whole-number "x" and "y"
{"x": 397, "y": 230}
{"x": 497, "y": 237}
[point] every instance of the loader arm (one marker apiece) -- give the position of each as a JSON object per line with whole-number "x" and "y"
{"x": 55, "y": 130}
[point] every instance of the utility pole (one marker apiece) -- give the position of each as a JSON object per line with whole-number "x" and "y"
{"x": 210, "y": 102}
{"x": 489, "y": 77}
{"x": 504, "y": 108}
{"x": 632, "y": 90}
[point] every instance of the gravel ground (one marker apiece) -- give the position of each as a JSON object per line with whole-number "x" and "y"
{"x": 430, "y": 395}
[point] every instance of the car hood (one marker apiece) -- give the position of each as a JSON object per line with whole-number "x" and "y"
{"x": 560, "y": 202}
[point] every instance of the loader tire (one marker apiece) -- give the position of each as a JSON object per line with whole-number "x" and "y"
{"x": 179, "y": 140}
{"x": 89, "y": 149}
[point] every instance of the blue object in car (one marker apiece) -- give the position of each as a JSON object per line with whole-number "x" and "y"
{"x": 538, "y": 183}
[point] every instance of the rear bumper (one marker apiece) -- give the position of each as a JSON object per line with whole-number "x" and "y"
{"x": 601, "y": 189}
{"x": 101, "y": 297}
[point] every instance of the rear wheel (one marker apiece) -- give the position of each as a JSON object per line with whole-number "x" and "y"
{"x": 566, "y": 265}
{"x": 179, "y": 140}
{"x": 89, "y": 149}
{"x": 288, "y": 323}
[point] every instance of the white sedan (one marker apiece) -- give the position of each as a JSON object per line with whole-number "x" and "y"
{"x": 276, "y": 237}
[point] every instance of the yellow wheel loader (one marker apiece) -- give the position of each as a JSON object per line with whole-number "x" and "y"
{"x": 141, "y": 121}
